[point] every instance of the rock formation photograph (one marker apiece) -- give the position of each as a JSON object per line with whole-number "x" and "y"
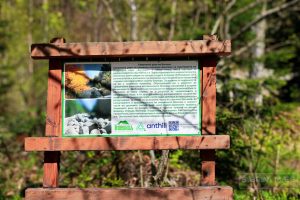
{"x": 87, "y": 117}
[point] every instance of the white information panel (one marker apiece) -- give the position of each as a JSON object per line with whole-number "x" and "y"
{"x": 140, "y": 98}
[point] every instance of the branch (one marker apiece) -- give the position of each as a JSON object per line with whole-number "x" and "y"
{"x": 243, "y": 49}
{"x": 134, "y": 19}
{"x": 156, "y": 24}
{"x": 238, "y": 12}
{"x": 98, "y": 20}
{"x": 161, "y": 167}
{"x": 246, "y": 8}
{"x": 196, "y": 16}
{"x": 115, "y": 28}
{"x": 266, "y": 14}
{"x": 173, "y": 19}
{"x": 217, "y": 23}
{"x": 278, "y": 45}
{"x": 141, "y": 168}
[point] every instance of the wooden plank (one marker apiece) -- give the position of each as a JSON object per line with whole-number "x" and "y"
{"x": 208, "y": 66}
{"x": 51, "y": 168}
{"x": 210, "y": 37}
{"x": 189, "y": 193}
{"x": 126, "y": 143}
{"x": 53, "y": 119}
{"x": 208, "y": 165}
{"x": 209, "y": 91}
{"x": 131, "y": 49}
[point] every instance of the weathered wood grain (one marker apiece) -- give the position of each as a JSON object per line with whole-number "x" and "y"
{"x": 53, "y": 118}
{"x": 126, "y": 143}
{"x": 208, "y": 66}
{"x": 210, "y": 37}
{"x": 130, "y": 49}
{"x": 189, "y": 193}
{"x": 208, "y": 164}
{"x": 51, "y": 169}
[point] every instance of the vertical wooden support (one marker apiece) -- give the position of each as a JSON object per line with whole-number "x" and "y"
{"x": 53, "y": 119}
{"x": 51, "y": 169}
{"x": 208, "y": 168}
{"x": 208, "y": 66}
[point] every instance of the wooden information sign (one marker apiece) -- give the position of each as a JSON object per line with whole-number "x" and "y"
{"x": 150, "y": 95}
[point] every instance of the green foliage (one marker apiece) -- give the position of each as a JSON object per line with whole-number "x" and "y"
{"x": 175, "y": 159}
{"x": 23, "y": 123}
{"x": 263, "y": 148}
{"x": 266, "y": 195}
{"x": 112, "y": 182}
{"x": 74, "y": 107}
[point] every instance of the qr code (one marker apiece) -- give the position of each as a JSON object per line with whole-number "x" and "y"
{"x": 173, "y": 125}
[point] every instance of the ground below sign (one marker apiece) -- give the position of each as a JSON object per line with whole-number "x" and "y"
{"x": 131, "y": 98}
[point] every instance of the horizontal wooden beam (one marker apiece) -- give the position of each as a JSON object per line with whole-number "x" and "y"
{"x": 126, "y": 143}
{"x": 131, "y": 49}
{"x": 190, "y": 193}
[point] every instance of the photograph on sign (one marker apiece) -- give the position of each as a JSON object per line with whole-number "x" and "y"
{"x": 141, "y": 98}
{"x": 87, "y": 81}
{"x": 87, "y": 117}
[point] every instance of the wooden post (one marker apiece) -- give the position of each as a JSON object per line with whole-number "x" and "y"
{"x": 208, "y": 168}
{"x": 208, "y": 66}
{"x": 51, "y": 169}
{"x": 53, "y": 119}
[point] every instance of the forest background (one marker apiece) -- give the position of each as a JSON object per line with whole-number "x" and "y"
{"x": 257, "y": 100}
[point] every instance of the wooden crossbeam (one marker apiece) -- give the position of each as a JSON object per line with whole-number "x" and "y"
{"x": 127, "y": 143}
{"x": 130, "y": 49}
{"x": 189, "y": 193}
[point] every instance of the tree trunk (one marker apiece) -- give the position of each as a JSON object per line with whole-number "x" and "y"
{"x": 45, "y": 19}
{"x": 258, "y": 69}
{"x": 134, "y": 19}
{"x": 173, "y": 19}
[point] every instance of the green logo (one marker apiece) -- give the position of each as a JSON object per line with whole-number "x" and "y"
{"x": 140, "y": 127}
{"x": 123, "y": 126}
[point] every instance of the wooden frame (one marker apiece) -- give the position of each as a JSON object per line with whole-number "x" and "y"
{"x": 57, "y": 51}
